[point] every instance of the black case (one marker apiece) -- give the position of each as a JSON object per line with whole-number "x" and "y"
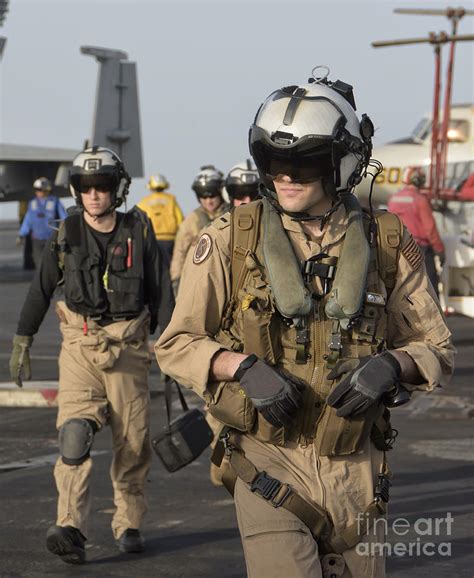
{"x": 185, "y": 437}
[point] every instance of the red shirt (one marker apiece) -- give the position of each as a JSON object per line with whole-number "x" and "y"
{"x": 414, "y": 209}
{"x": 467, "y": 191}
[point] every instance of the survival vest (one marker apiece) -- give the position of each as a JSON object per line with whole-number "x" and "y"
{"x": 94, "y": 288}
{"x": 309, "y": 345}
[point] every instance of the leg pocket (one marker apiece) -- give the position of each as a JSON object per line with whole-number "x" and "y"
{"x": 276, "y": 543}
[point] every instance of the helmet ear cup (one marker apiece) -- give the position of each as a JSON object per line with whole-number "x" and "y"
{"x": 122, "y": 189}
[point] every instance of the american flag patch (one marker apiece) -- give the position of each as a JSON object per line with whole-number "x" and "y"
{"x": 412, "y": 253}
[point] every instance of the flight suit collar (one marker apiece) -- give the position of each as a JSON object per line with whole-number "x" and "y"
{"x": 336, "y": 226}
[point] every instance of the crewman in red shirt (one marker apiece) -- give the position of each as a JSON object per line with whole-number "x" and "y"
{"x": 414, "y": 209}
{"x": 467, "y": 189}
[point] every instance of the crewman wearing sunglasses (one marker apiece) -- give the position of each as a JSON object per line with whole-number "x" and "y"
{"x": 207, "y": 185}
{"x": 116, "y": 292}
{"x": 241, "y": 183}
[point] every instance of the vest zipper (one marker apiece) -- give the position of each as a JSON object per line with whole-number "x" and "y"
{"x": 318, "y": 476}
{"x": 317, "y": 379}
{"x": 308, "y": 420}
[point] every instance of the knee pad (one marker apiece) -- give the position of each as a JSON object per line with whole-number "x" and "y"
{"x": 75, "y": 440}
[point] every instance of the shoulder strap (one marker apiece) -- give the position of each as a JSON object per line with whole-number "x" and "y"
{"x": 244, "y": 234}
{"x": 169, "y": 382}
{"x": 134, "y": 214}
{"x": 69, "y": 234}
{"x": 72, "y": 229}
{"x": 389, "y": 240}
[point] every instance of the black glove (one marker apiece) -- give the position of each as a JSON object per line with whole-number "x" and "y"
{"x": 277, "y": 397}
{"x": 366, "y": 381}
{"x": 441, "y": 257}
{"x": 153, "y": 323}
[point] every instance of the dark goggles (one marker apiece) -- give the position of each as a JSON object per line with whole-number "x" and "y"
{"x": 239, "y": 191}
{"x": 306, "y": 160}
{"x": 101, "y": 182}
{"x": 208, "y": 195}
{"x": 208, "y": 190}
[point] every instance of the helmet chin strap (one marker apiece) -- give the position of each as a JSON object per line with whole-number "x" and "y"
{"x": 107, "y": 211}
{"x": 302, "y": 216}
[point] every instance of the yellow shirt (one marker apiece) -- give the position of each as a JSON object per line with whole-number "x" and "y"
{"x": 164, "y": 213}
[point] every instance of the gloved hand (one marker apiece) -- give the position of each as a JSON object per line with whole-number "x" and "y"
{"x": 441, "y": 257}
{"x": 277, "y": 397}
{"x": 19, "y": 241}
{"x": 20, "y": 358}
{"x": 366, "y": 381}
{"x": 153, "y": 323}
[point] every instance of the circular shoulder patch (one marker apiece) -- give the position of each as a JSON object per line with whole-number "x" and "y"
{"x": 203, "y": 249}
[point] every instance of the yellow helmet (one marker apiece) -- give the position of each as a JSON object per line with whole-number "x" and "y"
{"x": 157, "y": 183}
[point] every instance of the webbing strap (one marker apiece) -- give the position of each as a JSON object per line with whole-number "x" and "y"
{"x": 245, "y": 227}
{"x": 281, "y": 495}
{"x": 169, "y": 382}
{"x": 244, "y": 231}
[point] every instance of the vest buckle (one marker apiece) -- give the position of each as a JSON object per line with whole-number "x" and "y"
{"x": 269, "y": 489}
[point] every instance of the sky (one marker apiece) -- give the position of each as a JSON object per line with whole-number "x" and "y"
{"x": 205, "y": 67}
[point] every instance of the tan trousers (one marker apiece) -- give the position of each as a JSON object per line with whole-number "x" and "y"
{"x": 103, "y": 376}
{"x": 276, "y": 543}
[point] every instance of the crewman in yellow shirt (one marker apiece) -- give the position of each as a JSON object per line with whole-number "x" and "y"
{"x": 164, "y": 212}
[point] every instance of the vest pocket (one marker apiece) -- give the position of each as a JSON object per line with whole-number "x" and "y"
{"x": 268, "y": 433}
{"x": 231, "y": 407}
{"x": 339, "y": 436}
{"x": 261, "y": 334}
{"x": 125, "y": 295}
{"x": 77, "y": 282}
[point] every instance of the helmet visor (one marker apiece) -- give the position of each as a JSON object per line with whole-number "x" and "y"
{"x": 306, "y": 160}
{"x": 239, "y": 191}
{"x": 103, "y": 181}
{"x": 208, "y": 190}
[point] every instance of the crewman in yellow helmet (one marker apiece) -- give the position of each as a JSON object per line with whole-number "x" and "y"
{"x": 164, "y": 212}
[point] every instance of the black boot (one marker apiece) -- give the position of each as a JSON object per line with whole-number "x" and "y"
{"x": 131, "y": 541}
{"x": 68, "y": 543}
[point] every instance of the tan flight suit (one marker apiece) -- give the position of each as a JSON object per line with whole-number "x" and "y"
{"x": 103, "y": 377}
{"x": 276, "y": 543}
{"x": 188, "y": 234}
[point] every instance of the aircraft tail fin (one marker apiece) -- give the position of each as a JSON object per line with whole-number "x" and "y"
{"x": 116, "y": 122}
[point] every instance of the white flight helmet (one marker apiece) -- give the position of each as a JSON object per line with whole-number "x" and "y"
{"x": 101, "y": 168}
{"x": 312, "y": 132}
{"x": 208, "y": 182}
{"x": 42, "y": 184}
{"x": 242, "y": 181}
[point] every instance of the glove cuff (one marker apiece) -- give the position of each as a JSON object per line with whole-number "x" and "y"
{"x": 23, "y": 340}
{"x": 246, "y": 364}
